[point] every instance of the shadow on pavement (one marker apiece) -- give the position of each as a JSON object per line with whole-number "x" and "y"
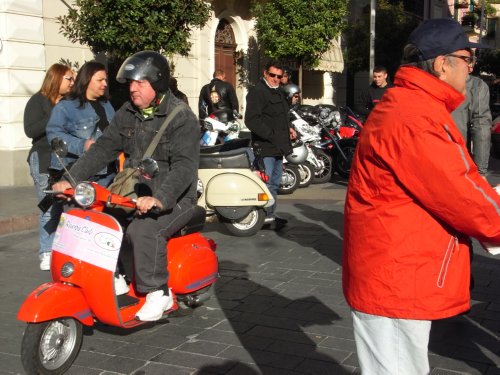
{"x": 270, "y": 328}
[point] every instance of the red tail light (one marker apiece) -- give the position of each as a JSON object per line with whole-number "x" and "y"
{"x": 496, "y": 128}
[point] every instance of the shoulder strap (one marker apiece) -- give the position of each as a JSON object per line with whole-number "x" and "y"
{"x": 156, "y": 139}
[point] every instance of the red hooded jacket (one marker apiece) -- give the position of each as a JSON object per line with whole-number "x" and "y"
{"x": 414, "y": 196}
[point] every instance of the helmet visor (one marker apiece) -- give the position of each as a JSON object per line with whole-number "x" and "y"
{"x": 137, "y": 68}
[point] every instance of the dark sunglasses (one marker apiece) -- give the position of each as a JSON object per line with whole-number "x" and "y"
{"x": 273, "y": 75}
{"x": 469, "y": 60}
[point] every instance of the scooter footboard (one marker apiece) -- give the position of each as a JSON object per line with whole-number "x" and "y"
{"x": 55, "y": 300}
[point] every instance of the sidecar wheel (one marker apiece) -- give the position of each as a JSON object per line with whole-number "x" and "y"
{"x": 247, "y": 226}
{"x": 51, "y": 347}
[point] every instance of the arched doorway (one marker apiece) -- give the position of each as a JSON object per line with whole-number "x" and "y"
{"x": 225, "y": 46}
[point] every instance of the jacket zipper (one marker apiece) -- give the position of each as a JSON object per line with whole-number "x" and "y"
{"x": 446, "y": 260}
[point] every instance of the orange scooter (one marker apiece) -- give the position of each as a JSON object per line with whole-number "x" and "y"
{"x": 84, "y": 258}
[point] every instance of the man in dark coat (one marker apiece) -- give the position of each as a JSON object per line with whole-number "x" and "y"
{"x": 267, "y": 118}
{"x": 216, "y": 95}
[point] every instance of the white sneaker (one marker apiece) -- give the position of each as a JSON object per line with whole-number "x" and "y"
{"x": 45, "y": 261}
{"x": 156, "y": 303}
{"x": 121, "y": 286}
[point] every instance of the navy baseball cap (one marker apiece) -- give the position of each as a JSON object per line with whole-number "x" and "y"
{"x": 440, "y": 36}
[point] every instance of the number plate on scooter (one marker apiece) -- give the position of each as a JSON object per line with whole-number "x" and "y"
{"x": 88, "y": 241}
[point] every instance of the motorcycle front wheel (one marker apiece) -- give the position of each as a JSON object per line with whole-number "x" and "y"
{"x": 51, "y": 347}
{"x": 306, "y": 171}
{"x": 343, "y": 166}
{"x": 247, "y": 226}
{"x": 324, "y": 174}
{"x": 289, "y": 179}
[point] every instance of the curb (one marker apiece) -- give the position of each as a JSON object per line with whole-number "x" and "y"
{"x": 18, "y": 224}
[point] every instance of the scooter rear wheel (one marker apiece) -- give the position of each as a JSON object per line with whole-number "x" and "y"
{"x": 247, "y": 226}
{"x": 51, "y": 347}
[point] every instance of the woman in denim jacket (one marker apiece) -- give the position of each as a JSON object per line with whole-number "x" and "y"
{"x": 81, "y": 117}
{"x": 58, "y": 82}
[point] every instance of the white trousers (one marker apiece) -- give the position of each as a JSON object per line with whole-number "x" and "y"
{"x": 387, "y": 346}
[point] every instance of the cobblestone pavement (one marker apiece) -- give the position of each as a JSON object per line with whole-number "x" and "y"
{"x": 277, "y": 309}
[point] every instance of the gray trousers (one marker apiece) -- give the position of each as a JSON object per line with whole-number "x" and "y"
{"x": 148, "y": 236}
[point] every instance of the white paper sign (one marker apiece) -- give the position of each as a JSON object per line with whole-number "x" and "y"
{"x": 88, "y": 241}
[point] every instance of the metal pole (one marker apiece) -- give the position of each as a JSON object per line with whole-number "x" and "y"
{"x": 372, "y": 39}
{"x": 481, "y": 22}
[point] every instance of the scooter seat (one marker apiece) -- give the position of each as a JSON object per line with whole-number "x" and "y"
{"x": 228, "y": 159}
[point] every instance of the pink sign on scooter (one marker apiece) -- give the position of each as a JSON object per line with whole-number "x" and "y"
{"x": 88, "y": 241}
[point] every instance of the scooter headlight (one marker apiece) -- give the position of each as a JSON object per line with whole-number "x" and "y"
{"x": 84, "y": 194}
{"x": 67, "y": 269}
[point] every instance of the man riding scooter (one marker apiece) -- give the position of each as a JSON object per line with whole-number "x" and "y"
{"x": 166, "y": 202}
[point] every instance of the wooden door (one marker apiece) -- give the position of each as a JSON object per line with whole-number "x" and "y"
{"x": 225, "y": 46}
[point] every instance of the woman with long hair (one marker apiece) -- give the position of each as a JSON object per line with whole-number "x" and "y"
{"x": 81, "y": 117}
{"x": 58, "y": 82}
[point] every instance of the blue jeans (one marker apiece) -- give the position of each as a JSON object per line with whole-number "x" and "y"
{"x": 390, "y": 346}
{"x": 274, "y": 169}
{"x": 47, "y": 222}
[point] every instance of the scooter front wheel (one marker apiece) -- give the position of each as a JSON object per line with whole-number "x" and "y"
{"x": 247, "y": 226}
{"x": 51, "y": 347}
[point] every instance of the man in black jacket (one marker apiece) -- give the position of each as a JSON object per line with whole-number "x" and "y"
{"x": 267, "y": 118}
{"x": 375, "y": 91}
{"x": 167, "y": 201}
{"x": 218, "y": 94}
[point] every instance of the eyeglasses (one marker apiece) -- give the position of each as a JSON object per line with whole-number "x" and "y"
{"x": 273, "y": 75}
{"x": 71, "y": 79}
{"x": 469, "y": 60}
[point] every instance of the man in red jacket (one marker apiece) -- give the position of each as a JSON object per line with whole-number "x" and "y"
{"x": 414, "y": 198}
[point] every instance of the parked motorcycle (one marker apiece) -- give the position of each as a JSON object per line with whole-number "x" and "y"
{"x": 317, "y": 159}
{"x": 231, "y": 190}
{"x": 290, "y": 178}
{"x": 219, "y": 127}
{"x": 338, "y": 141}
{"x": 83, "y": 263}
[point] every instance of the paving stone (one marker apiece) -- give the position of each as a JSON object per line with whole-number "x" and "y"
{"x": 202, "y": 347}
{"x": 192, "y": 360}
{"x": 338, "y": 343}
{"x": 138, "y": 351}
{"x": 11, "y": 364}
{"x": 261, "y": 357}
{"x": 162, "y": 369}
{"x": 122, "y": 364}
{"x": 312, "y": 366}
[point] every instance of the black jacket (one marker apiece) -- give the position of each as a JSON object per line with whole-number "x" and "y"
{"x": 36, "y": 117}
{"x": 227, "y": 98}
{"x": 371, "y": 97}
{"x": 266, "y": 116}
{"x": 177, "y": 152}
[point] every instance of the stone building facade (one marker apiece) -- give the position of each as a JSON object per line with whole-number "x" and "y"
{"x": 30, "y": 42}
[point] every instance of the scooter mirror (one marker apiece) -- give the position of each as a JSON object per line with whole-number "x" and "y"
{"x": 148, "y": 168}
{"x": 59, "y": 147}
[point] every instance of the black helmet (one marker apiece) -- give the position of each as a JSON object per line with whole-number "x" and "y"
{"x": 148, "y": 65}
{"x": 290, "y": 89}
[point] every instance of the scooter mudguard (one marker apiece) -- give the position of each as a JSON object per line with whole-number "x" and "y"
{"x": 55, "y": 300}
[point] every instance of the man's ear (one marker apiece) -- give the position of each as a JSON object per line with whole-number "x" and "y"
{"x": 440, "y": 66}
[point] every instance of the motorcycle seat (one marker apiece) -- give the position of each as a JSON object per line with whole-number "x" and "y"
{"x": 227, "y": 159}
